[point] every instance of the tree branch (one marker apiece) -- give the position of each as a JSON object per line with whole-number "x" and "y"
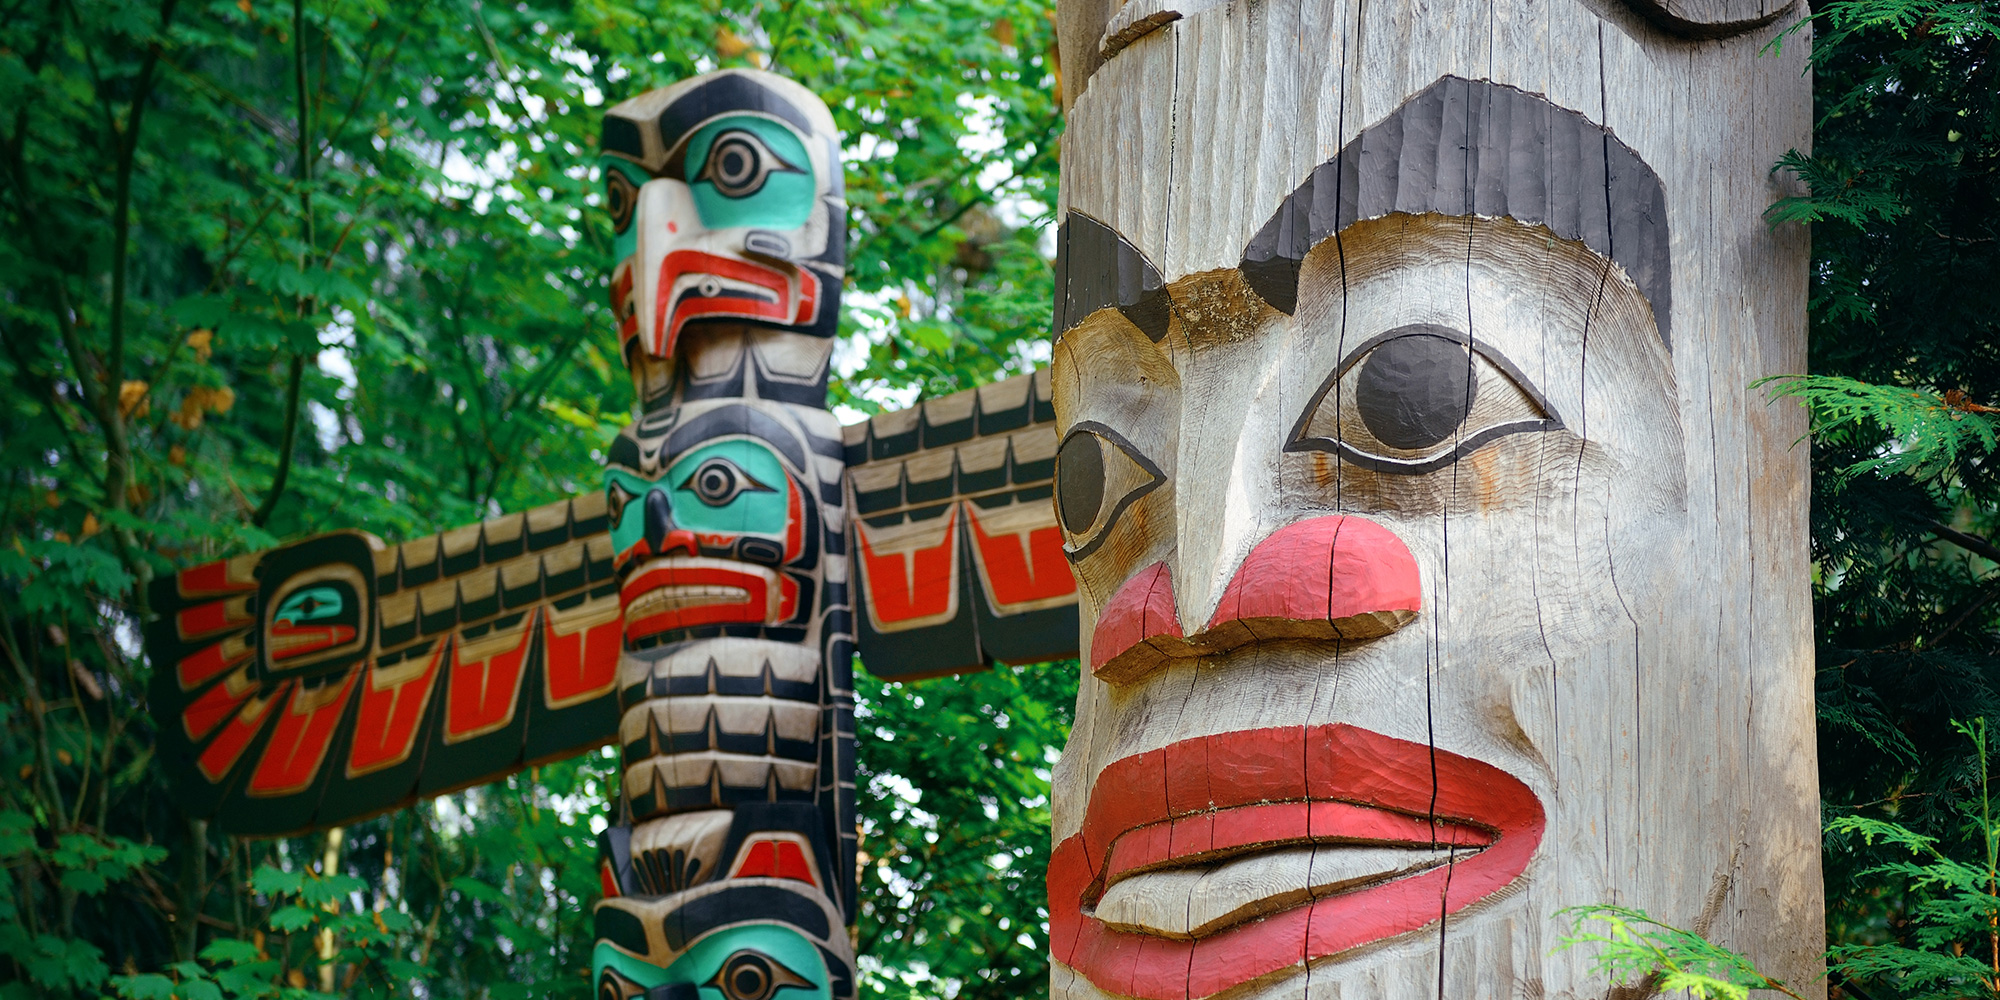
{"x": 1971, "y": 543}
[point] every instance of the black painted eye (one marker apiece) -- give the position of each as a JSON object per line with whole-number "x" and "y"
{"x": 739, "y": 163}
{"x": 1417, "y": 399}
{"x": 718, "y": 481}
{"x": 615, "y": 499}
{"x": 1098, "y": 475}
{"x": 752, "y": 975}
{"x": 621, "y": 198}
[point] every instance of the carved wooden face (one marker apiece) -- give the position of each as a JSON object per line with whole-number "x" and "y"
{"x": 1329, "y": 563}
{"x": 725, "y": 198}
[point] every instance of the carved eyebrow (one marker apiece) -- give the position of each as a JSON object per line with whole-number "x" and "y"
{"x": 1096, "y": 266}
{"x": 1473, "y": 147}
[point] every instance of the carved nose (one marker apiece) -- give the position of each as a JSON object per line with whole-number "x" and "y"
{"x": 1334, "y": 577}
{"x": 662, "y": 535}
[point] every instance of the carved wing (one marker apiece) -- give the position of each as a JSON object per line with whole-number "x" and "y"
{"x": 335, "y": 678}
{"x": 957, "y": 557}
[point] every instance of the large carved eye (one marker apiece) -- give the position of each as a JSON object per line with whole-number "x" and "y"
{"x": 752, "y": 975}
{"x": 1418, "y": 398}
{"x": 739, "y": 163}
{"x": 621, "y": 197}
{"x": 718, "y": 481}
{"x": 1098, "y": 475}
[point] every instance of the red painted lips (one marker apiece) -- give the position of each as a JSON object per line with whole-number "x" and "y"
{"x": 1237, "y": 794}
{"x": 1334, "y": 577}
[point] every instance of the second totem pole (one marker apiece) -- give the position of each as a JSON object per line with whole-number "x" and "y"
{"x": 1440, "y": 568}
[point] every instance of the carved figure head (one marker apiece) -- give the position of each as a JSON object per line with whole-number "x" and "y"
{"x": 725, "y": 197}
{"x": 1374, "y": 476}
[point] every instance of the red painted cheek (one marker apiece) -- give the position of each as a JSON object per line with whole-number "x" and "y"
{"x": 1334, "y": 577}
{"x": 1138, "y": 627}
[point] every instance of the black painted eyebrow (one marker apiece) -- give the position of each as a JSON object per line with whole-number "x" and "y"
{"x": 1473, "y": 147}
{"x": 1096, "y": 266}
{"x": 725, "y": 94}
{"x": 1461, "y": 147}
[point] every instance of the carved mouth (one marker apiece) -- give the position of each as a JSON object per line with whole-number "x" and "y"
{"x": 1225, "y": 858}
{"x": 677, "y": 592}
{"x": 287, "y": 641}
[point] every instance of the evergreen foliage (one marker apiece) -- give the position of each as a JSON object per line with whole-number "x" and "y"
{"x": 273, "y": 268}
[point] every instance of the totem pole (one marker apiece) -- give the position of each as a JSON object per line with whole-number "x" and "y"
{"x": 696, "y": 611}
{"x": 733, "y": 866}
{"x": 1440, "y": 568}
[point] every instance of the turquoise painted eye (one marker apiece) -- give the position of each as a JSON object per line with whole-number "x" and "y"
{"x": 731, "y": 487}
{"x": 310, "y": 604}
{"x": 717, "y": 481}
{"x": 753, "y": 975}
{"x": 739, "y": 163}
{"x": 749, "y": 171}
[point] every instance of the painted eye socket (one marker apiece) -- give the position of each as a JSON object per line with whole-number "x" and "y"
{"x": 1098, "y": 475}
{"x": 718, "y": 481}
{"x": 751, "y": 975}
{"x": 616, "y": 496}
{"x": 612, "y": 986}
{"x": 739, "y": 163}
{"x": 621, "y": 198}
{"x": 1417, "y": 399}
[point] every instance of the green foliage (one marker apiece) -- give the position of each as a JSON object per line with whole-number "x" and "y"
{"x": 272, "y": 269}
{"x": 1929, "y": 435}
{"x": 1904, "y": 203}
{"x": 954, "y": 788}
{"x": 1638, "y": 952}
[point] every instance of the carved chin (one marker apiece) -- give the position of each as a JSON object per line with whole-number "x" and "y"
{"x": 1218, "y": 860}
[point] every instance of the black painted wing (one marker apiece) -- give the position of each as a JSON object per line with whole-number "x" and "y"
{"x": 956, "y": 555}
{"x": 335, "y": 678}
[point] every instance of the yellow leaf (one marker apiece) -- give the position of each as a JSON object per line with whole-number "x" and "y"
{"x": 132, "y": 402}
{"x": 728, "y": 44}
{"x": 243, "y": 5}
{"x": 177, "y": 455}
{"x": 202, "y": 342}
{"x": 64, "y": 758}
{"x": 90, "y": 526}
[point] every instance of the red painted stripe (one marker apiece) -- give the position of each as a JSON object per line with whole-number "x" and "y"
{"x": 1023, "y": 568}
{"x": 909, "y": 586}
{"x": 302, "y": 740}
{"x": 387, "y": 723}
{"x": 221, "y": 755}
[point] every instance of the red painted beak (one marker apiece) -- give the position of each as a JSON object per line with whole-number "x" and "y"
{"x": 1335, "y": 577}
{"x": 695, "y": 285}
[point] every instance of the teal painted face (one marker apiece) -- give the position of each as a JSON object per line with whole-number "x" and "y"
{"x": 750, "y": 171}
{"x": 753, "y": 962}
{"x": 720, "y": 492}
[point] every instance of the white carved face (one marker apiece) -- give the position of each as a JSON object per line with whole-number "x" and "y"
{"x": 1339, "y": 570}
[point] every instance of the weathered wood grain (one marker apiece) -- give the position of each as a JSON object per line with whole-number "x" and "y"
{"x": 1609, "y": 539}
